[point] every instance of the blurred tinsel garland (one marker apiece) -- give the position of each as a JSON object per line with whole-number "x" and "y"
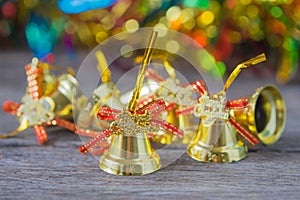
{"x": 217, "y": 25}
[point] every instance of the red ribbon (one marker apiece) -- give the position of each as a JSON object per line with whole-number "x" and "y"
{"x": 155, "y": 107}
{"x": 40, "y": 131}
{"x": 96, "y": 141}
{"x": 199, "y": 86}
{"x": 11, "y": 107}
{"x": 150, "y": 74}
{"x": 244, "y": 132}
{"x": 35, "y": 89}
{"x": 237, "y": 104}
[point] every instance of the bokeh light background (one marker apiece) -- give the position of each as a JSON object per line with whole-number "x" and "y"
{"x": 229, "y": 30}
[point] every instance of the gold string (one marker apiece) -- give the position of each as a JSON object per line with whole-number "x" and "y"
{"x": 21, "y": 128}
{"x": 253, "y": 61}
{"x": 142, "y": 72}
{"x": 162, "y": 56}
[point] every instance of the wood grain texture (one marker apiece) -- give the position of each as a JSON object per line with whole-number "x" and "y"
{"x": 57, "y": 170}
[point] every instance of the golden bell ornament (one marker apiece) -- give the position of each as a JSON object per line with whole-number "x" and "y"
{"x": 163, "y": 137}
{"x": 129, "y": 152}
{"x": 130, "y": 155}
{"x": 184, "y": 122}
{"x": 217, "y": 138}
{"x": 176, "y": 97}
{"x": 60, "y": 101}
{"x": 265, "y": 116}
{"x": 48, "y": 101}
{"x": 217, "y": 143}
{"x": 188, "y": 125}
{"x": 105, "y": 94}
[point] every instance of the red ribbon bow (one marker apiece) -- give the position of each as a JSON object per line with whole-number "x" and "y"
{"x": 237, "y": 104}
{"x": 35, "y": 89}
{"x": 154, "y": 108}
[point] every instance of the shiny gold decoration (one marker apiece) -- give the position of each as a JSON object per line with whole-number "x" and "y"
{"x": 47, "y": 99}
{"x": 62, "y": 101}
{"x": 174, "y": 93}
{"x": 266, "y": 114}
{"x": 258, "y": 59}
{"x": 141, "y": 73}
{"x": 217, "y": 143}
{"x": 131, "y": 153}
{"x": 216, "y": 139}
{"x": 104, "y": 95}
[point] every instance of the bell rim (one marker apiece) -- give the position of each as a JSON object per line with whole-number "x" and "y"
{"x": 274, "y": 137}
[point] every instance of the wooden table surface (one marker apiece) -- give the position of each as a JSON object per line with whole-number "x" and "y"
{"x": 57, "y": 170}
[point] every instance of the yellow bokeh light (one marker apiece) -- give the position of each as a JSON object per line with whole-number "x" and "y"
{"x": 126, "y": 50}
{"x": 131, "y": 25}
{"x": 100, "y": 36}
{"x": 246, "y": 2}
{"x": 212, "y": 31}
{"x": 252, "y": 11}
{"x": 173, "y": 13}
{"x": 243, "y": 21}
{"x": 172, "y": 46}
{"x": 186, "y": 15}
{"x": 161, "y": 30}
{"x": 190, "y": 24}
{"x": 206, "y": 18}
{"x": 164, "y": 21}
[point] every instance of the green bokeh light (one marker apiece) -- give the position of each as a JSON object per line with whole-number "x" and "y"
{"x": 276, "y": 11}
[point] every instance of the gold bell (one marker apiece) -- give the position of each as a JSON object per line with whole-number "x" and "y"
{"x": 60, "y": 101}
{"x": 131, "y": 153}
{"x": 164, "y": 137}
{"x": 266, "y": 115}
{"x": 104, "y": 95}
{"x": 207, "y": 147}
{"x": 188, "y": 125}
{"x": 219, "y": 141}
{"x": 175, "y": 94}
{"x": 183, "y": 122}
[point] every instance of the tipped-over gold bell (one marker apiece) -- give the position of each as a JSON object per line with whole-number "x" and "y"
{"x": 266, "y": 115}
{"x": 60, "y": 101}
{"x": 217, "y": 143}
{"x": 130, "y": 155}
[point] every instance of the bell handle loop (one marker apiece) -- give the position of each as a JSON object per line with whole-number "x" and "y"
{"x": 142, "y": 72}
{"x": 253, "y": 61}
